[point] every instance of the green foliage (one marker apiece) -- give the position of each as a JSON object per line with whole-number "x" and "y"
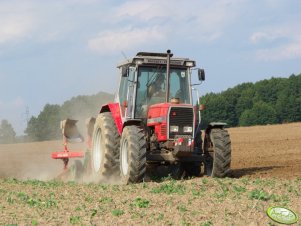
{"x": 276, "y": 100}
{"x": 117, "y": 212}
{"x": 170, "y": 188}
{"x": 46, "y": 126}
{"x": 259, "y": 194}
{"x": 141, "y": 203}
{"x": 261, "y": 114}
{"x": 75, "y": 219}
{"x": 7, "y": 133}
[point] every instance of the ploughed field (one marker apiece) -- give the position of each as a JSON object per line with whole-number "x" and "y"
{"x": 266, "y": 171}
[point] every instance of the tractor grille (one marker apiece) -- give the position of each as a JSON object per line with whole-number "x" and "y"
{"x": 180, "y": 116}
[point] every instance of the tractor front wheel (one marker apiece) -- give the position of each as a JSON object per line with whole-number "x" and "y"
{"x": 105, "y": 146}
{"x": 132, "y": 155}
{"x": 217, "y": 151}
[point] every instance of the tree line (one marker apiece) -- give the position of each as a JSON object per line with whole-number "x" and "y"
{"x": 46, "y": 126}
{"x": 277, "y": 100}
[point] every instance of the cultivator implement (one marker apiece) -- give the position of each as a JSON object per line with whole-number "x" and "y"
{"x": 72, "y": 135}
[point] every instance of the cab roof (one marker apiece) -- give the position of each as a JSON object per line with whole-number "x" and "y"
{"x": 150, "y": 58}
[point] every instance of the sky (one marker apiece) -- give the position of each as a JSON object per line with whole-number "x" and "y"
{"x": 51, "y": 51}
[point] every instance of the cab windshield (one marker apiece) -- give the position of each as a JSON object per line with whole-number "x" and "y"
{"x": 151, "y": 87}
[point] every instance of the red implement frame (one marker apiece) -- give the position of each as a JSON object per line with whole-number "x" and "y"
{"x": 66, "y": 154}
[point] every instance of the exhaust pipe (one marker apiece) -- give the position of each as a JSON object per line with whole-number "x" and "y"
{"x": 169, "y": 55}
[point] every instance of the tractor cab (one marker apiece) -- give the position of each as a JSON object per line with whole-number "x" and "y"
{"x": 153, "y": 78}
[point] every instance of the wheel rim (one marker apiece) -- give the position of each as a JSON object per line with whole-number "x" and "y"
{"x": 124, "y": 157}
{"x": 97, "y": 150}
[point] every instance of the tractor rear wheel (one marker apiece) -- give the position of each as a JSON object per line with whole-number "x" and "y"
{"x": 217, "y": 150}
{"x": 132, "y": 155}
{"x": 105, "y": 147}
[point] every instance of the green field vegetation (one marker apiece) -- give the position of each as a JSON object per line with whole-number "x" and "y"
{"x": 198, "y": 201}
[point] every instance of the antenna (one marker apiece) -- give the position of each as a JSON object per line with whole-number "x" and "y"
{"x": 125, "y": 57}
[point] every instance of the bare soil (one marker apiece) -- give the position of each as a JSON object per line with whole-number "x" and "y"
{"x": 267, "y": 151}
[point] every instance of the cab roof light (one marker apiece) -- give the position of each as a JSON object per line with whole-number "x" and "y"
{"x": 189, "y": 64}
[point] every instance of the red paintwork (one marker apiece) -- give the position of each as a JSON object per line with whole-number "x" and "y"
{"x": 63, "y": 154}
{"x": 66, "y": 154}
{"x": 115, "y": 110}
{"x": 157, "y": 111}
{"x": 160, "y": 111}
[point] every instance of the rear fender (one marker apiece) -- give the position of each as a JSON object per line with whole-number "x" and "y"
{"x": 115, "y": 111}
{"x": 217, "y": 125}
{"x": 131, "y": 122}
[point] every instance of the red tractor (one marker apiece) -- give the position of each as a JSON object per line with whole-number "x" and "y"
{"x": 153, "y": 122}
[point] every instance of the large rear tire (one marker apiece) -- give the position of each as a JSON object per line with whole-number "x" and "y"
{"x": 132, "y": 155}
{"x": 105, "y": 147}
{"x": 217, "y": 150}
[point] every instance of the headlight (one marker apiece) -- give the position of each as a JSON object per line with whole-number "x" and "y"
{"x": 174, "y": 129}
{"x": 139, "y": 61}
{"x": 189, "y": 63}
{"x": 187, "y": 129}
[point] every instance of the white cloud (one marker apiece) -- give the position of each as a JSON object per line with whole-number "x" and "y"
{"x": 144, "y": 10}
{"x": 270, "y": 34}
{"x": 16, "y": 21}
{"x": 156, "y": 21}
{"x": 284, "y": 41}
{"x": 14, "y": 27}
{"x": 38, "y": 21}
{"x": 208, "y": 14}
{"x": 259, "y": 36}
{"x": 125, "y": 39}
{"x": 284, "y": 52}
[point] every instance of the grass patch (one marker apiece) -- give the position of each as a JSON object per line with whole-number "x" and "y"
{"x": 117, "y": 212}
{"x": 170, "y": 187}
{"x": 140, "y": 203}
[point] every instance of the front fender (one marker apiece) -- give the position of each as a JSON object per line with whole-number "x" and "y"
{"x": 217, "y": 124}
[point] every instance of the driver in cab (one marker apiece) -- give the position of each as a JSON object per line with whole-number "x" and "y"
{"x": 156, "y": 91}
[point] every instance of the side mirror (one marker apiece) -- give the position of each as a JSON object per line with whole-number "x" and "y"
{"x": 124, "y": 71}
{"x": 201, "y": 74}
